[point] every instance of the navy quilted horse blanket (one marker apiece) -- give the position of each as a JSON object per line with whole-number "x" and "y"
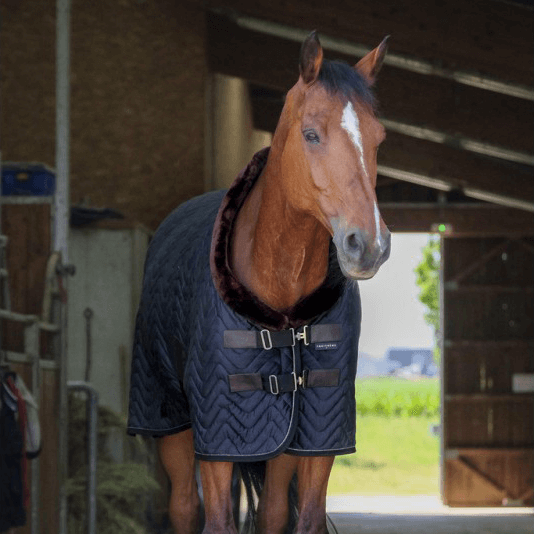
{"x": 250, "y": 381}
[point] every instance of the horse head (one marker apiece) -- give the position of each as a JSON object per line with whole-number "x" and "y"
{"x": 328, "y": 136}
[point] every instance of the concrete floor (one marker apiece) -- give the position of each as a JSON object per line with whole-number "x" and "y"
{"x": 423, "y": 515}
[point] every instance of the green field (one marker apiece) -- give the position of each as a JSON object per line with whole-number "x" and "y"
{"x": 396, "y": 454}
{"x": 390, "y": 396}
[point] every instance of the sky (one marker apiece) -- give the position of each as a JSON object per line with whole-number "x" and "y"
{"x": 392, "y": 315}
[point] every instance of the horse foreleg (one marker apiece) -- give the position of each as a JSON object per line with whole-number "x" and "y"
{"x": 178, "y": 458}
{"x": 273, "y": 509}
{"x": 217, "y": 490}
{"x": 313, "y": 474}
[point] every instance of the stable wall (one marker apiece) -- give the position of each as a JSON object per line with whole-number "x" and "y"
{"x": 138, "y": 99}
{"x": 233, "y": 138}
{"x": 109, "y": 268}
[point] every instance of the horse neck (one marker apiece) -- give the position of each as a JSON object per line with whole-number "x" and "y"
{"x": 278, "y": 252}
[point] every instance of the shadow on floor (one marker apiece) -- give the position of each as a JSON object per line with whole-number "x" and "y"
{"x": 423, "y": 515}
{"x": 432, "y": 524}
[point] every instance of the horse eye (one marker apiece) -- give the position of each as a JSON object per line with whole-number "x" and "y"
{"x": 311, "y": 136}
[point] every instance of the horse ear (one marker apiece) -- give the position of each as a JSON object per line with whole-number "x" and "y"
{"x": 370, "y": 64}
{"x": 311, "y": 58}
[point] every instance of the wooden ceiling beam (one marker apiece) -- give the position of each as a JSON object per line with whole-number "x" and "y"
{"x": 460, "y": 220}
{"x": 434, "y": 165}
{"x": 476, "y": 176}
{"x": 394, "y": 59}
{"x": 272, "y": 62}
{"x": 489, "y": 37}
{"x": 430, "y": 106}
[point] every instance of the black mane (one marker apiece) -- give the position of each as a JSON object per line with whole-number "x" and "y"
{"x": 340, "y": 77}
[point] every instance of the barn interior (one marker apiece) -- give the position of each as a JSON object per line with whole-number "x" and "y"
{"x": 134, "y": 106}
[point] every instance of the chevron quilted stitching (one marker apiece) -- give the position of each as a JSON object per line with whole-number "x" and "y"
{"x": 180, "y": 368}
{"x": 327, "y": 418}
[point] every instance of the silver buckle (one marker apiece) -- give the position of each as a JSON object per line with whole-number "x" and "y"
{"x": 293, "y": 336}
{"x": 271, "y": 377}
{"x": 303, "y": 336}
{"x": 269, "y": 345}
{"x": 295, "y": 381}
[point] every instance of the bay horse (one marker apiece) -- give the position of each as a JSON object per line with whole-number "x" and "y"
{"x": 315, "y": 194}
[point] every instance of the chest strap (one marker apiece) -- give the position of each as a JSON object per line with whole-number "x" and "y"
{"x": 287, "y": 383}
{"x": 265, "y": 339}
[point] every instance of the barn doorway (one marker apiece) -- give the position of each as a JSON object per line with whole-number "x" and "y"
{"x": 397, "y": 386}
{"x": 484, "y": 449}
{"x": 483, "y": 473}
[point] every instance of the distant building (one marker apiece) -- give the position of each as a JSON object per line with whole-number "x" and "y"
{"x": 371, "y": 366}
{"x": 416, "y": 361}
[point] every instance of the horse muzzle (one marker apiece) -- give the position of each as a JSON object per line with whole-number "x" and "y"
{"x": 359, "y": 254}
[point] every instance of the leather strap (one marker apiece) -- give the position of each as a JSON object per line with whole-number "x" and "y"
{"x": 265, "y": 339}
{"x": 321, "y": 378}
{"x": 287, "y": 383}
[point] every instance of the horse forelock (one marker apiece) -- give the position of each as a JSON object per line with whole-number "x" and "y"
{"x": 338, "y": 77}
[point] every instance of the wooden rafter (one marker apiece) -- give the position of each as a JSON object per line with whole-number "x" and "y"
{"x": 406, "y": 98}
{"x": 427, "y": 144}
{"x": 460, "y": 219}
{"x": 457, "y": 168}
{"x": 485, "y": 36}
{"x": 411, "y": 99}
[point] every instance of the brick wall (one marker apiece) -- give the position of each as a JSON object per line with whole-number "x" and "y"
{"x": 138, "y": 73}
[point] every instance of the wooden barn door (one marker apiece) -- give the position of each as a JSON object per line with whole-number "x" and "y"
{"x": 488, "y": 371}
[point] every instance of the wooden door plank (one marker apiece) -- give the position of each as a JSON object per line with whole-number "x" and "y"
{"x": 527, "y": 495}
{"x": 491, "y": 484}
{"x": 27, "y": 227}
{"x": 488, "y": 451}
{"x": 480, "y": 261}
{"x": 488, "y": 430}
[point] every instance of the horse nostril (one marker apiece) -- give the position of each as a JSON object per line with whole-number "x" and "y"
{"x": 353, "y": 246}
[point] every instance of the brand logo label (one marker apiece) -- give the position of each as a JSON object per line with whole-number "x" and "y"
{"x": 326, "y": 346}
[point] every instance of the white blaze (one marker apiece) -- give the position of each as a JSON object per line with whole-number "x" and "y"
{"x": 351, "y": 123}
{"x": 378, "y": 239}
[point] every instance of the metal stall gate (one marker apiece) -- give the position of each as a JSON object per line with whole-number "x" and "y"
{"x": 30, "y": 319}
{"x": 37, "y": 351}
{"x": 488, "y": 371}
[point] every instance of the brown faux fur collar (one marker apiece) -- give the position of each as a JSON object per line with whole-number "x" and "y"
{"x": 238, "y": 297}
